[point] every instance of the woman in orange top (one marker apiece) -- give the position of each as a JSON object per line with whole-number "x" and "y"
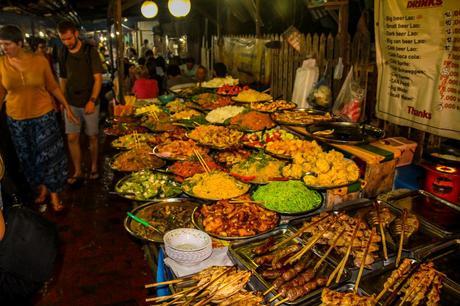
{"x": 27, "y": 83}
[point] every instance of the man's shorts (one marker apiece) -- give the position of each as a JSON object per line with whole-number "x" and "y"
{"x": 90, "y": 121}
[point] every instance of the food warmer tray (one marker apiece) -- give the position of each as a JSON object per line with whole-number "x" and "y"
{"x": 373, "y": 284}
{"x": 445, "y": 257}
{"x": 345, "y": 132}
{"x": 423, "y": 237}
{"x": 240, "y": 253}
{"x": 435, "y": 212}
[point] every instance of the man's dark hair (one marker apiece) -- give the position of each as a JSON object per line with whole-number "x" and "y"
{"x": 65, "y": 26}
{"x": 148, "y": 53}
{"x": 13, "y": 33}
{"x": 146, "y": 41}
{"x": 141, "y": 61}
{"x": 220, "y": 70}
{"x": 173, "y": 70}
{"x": 190, "y": 60}
{"x": 35, "y": 42}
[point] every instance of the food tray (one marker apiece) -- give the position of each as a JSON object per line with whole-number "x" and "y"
{"x": 299, "y": 110}
{"x": 445, "y": 257}
{"x": 197, "y": 220}
{"x": 331, "y": 187}
{"x": 241, "y": 255}
{"x": 112, "y": 160}
{"x": 347, "y": 287}
{"x": 373, "y": 284}
{"x": 345, "y": 132}
{"x": 435, "y": 212}
{"x": 174, "y": 158}
{"x": 423, "y": 237}
{"x": 134, "y": 228}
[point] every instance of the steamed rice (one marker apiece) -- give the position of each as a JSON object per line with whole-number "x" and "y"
{"x": 219, "y": 115}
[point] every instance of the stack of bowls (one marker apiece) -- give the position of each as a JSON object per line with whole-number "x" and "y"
{"x": 187, "y": 246}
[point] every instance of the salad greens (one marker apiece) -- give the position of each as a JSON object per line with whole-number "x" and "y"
{"x": 287, "y": 197}
{"x": 147, "y": 185}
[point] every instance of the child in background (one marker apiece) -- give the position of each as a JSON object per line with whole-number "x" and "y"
{"x": 144, "y": 88}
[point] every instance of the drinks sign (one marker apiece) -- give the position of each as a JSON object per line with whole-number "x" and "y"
{"x": 418, "y": 60}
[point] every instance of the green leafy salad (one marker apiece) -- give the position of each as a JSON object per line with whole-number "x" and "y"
{"x": 147, "y": 185}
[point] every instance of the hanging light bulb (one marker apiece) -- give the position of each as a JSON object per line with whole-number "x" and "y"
{"x": 149, "y": 9}
{"x": 179, "y": 8}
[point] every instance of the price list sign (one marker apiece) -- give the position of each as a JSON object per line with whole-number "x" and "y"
{"x": 418, "y": 60}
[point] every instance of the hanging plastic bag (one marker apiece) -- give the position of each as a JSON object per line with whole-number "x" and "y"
{"x": 321, "y": 94}
{"x": 349, "y": 102}
{"x": 306, "y": 76}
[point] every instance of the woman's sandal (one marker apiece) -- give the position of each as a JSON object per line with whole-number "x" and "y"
{"x": 94, "y": 175}
{"x": 57, "y": 207}
{"x": 75, "y": 181}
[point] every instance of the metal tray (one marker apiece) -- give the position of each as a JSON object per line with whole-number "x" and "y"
{"x": 144, "y": 211}
{"x": 373, "y": 284}
{"x": 161, "y": 164}
{"x": 437, "y": 213}
{"x": 197, "y": 220}
{"x": 300, "y": 110}
{"x": 445, "y": 257}
{"x": 346, "y": 132}
{"x": 422, "y": 238}
{"x": 241, "y": 255}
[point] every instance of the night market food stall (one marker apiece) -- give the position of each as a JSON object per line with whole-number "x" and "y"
{"x": 247, "y": 198}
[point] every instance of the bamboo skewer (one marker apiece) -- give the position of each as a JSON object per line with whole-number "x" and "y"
{"x": 363, "y": 262}
{"x": 355, "y": 231}
{"x": 274, "y": 297}
{"x": 174, "y": 281}
{"x": 382, "y": 232}
{"x": 334, "y": 243}
{"x": 202, "y": 161}
{"x": 282, "y": 301}
{"x": 401, "y": 237}
{"x": 207, "y": 285}
{"x": 311, "y": 242}
{"x": 268, "y": 290}
{"x": 298, "y": 233}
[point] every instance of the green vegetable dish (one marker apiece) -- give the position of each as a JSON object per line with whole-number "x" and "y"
{"x": 290, "y": 197}
{"x": 147, "y": 185}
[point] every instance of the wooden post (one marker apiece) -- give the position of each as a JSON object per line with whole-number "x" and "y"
{"x": 258, "y": 33}
{"x": 120, "y": 49}
{"x": 343, "y": 28}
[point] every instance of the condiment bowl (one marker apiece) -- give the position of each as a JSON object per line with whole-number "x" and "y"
{"x": 187, "y": 245}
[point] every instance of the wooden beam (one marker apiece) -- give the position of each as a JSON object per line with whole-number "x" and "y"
{"x": 258, "y": 20}
{"x": 120, "y": 48}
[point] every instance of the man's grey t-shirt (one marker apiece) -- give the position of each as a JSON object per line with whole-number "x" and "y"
{"x": 78, "y": 68}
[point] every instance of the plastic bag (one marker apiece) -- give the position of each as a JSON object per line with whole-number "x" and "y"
{"x": 349, "y": 102}
{"x": 321, "y": 95}
{"x": 305, "y": 78}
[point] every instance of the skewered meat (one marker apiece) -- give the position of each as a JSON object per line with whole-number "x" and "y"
{"x": 296, "y": 292}
{"x": 282, "y": 254}
{"x": 273, "y": 273}
{"x": 295, "y": 270}
{"x": 410, "y": 227}
{"x": 264, "y": 248}
{"x": 243, "y": 298}
{"x": 386, "y": 217}
{"x": 396, "y": 275}
{"x": 434, "y": 294}
{"x": 264, "y": 259}
{"x": 419, "y": 283}
{"x": 333, "y": 298}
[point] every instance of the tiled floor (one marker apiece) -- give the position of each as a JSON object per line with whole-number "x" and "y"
{"x": 100, "y": 264}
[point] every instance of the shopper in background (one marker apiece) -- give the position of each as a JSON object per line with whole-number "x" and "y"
{"x": 174, "y": 76}
{"x": 27, "y": 83}
{"x": 201, "y": 74}
{"x": 189, "y": 68}
{"x": 81, "y": 80}
{"x": 144, "y": 48}
{"x": 144, "y": 88}
{"x": 220, "y": 70}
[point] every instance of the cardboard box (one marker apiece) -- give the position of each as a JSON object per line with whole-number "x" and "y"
{"x": 402, "y": 148}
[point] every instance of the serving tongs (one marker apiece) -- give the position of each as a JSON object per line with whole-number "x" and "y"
{"x": 144, "y": 222}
